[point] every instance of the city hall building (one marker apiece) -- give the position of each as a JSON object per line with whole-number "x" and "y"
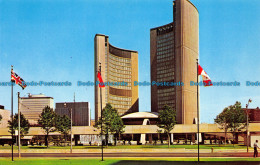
{"x": 118, "y": 65}
{"x": 174, "y": 49}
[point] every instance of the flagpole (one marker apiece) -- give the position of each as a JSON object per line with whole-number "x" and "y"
{"x": 19, "y": 127}
{"x": 198, "y": 116}
{"x": 12, "y": 115}
{"x": 102, "y": 147}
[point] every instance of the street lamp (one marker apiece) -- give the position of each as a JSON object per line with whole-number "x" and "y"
{"x": 247, "y": 137}
{"x": 65, "y": 105}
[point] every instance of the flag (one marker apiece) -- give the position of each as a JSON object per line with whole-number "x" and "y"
{"x": 205, "y": 76}
{"x": 17, "y": 79}
{"x": 101, "y": 83}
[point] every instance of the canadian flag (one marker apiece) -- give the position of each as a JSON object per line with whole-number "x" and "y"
{"x": 101, "y": 83}
{"x": 205, "y": 76}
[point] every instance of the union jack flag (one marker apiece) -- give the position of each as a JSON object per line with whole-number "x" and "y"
{"x": 17, "y": 79}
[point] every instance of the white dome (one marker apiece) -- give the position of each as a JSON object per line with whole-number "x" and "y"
{"x": 141, "y": 115}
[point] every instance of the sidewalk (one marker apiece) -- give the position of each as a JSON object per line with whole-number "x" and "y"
{"x": 145, "y": 150}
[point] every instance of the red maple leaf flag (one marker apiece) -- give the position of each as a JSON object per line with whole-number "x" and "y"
{"x": 205, "y": 76}
{"x": 17, "y": 79}
{"x": 101, "y": 83}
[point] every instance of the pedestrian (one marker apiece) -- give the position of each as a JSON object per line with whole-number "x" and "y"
{"x": 255, "y": 148}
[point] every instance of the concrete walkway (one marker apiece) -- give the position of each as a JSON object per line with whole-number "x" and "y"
{"x": 144, "y": 150}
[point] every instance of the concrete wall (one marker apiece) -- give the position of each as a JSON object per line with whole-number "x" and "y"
{"x": 186, "y": 20}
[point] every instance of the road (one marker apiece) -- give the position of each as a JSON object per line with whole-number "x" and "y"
{"x": 240, "y": 154}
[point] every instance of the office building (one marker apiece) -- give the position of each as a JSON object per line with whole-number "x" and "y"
{"x": 31, "y": 107}
{"x": 118, "y": 65}
{"x": 80, "y": 112}
{"x": 174, "y": 49}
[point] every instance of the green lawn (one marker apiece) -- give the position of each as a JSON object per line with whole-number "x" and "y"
{"x": 79, "y": 161}
{"x": 228, "y": 146}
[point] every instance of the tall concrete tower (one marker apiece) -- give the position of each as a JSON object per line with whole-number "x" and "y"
{"x": 174, "y": 49}
{"x": 118, "y": 65}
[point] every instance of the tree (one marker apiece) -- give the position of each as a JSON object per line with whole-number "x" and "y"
{"x": 1, "y": 117}
{"x": 117, "y": 126}
{"x": 167, "y": 120}
{"x": 237, "y": 119}
{"x": 111, "y": 123}
{"x": 62, "y": 124}
{"x": 222, "y": 120}
{"x": 232, "y": 118}
{"x": 47, "y": 122}
{"x": 24, "y": 126}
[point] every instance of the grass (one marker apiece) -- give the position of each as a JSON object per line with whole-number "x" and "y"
{"x": 96, "y": 161}
{"x": 228, "y": 146}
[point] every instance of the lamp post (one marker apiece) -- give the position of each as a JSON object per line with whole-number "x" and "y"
{"x": 65, "y": 105}
{"x": 247, "y": 137}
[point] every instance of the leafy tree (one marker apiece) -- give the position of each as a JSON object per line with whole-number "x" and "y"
{"x": 232, "y": 118}
{"x": 24, "y": 125}
{"x": 62, "y": 125}
{"x": 237, "y": 118}
{"x": 223, "y": 120}
{"x": 117, "y": 126}
{"x": 167, "y": 120}
{"x": 47, "y": 122}
{"x": 111, "y": 123}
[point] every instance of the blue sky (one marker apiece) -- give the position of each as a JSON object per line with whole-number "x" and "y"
{"x": 53, "y": 40}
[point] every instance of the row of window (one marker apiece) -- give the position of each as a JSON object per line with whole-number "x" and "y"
{"x": 160, "y": 107}
{"x": 164, "y": 48}
{"x": 120, "y": 102}
{"x": 167, "y": 63}
{"x": 118, "y": 79}
{"x": 115, "y": 66}
{"x": 168, "y": 42}
{"x": 168, "y": 35}
{"x": 165, "y": 79}
{"x": 119, "y": 63}
{"x": 166, "y": 102}
{"x": 165, "y": 90}
{"x": 113, "y": 97}
{"x": 119, "y": 59}
{"x": 164, "y": 96}
{"x": 164, "y": 67}
{"x": 165, "y": 71}
{"x": 170, "y": 74}
{"x": 165, "y": 59}
{"x": 117, "y": 106}
{"x": 167, "y": 53}
{"x": 119, "y": 71}
{"x": 116, "y": 74}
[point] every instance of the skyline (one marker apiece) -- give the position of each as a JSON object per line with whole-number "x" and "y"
{"x": 60, "y": 36}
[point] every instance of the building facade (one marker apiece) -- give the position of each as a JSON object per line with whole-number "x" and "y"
{"x": 253, "y": 114}
{"x": 31, "y": 107}
{"x": 174, "y": 50}
{"x": 5, "y": 117}
{"x": 118, "y": 66}
{"x": 80, "y": 112}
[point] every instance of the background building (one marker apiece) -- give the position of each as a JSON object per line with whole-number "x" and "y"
{"x": 5, "y": 116}
{"x": 174, "y": 49}
{"x": 31, "y": 107}
{"x": 80, "y": 112}
{"x": 253, "y": 114}
{"x": 118, "y": 65}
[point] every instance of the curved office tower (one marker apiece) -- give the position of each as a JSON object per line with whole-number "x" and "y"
{"x": 174, "y": 50}
{"x": 118, "y": 65}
